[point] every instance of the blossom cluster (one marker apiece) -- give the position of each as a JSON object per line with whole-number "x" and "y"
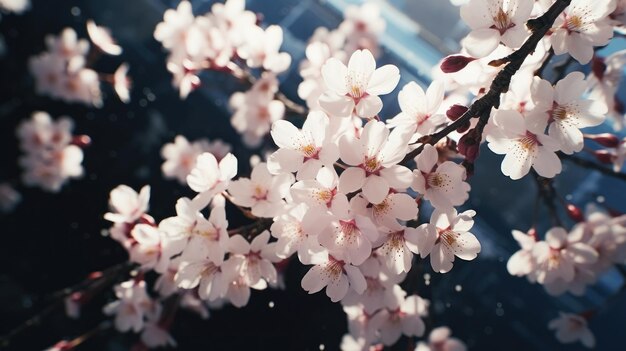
{"x": 571, "y": 261}
{"x": 62, "y": 72}
{"x": 51, "y": 154}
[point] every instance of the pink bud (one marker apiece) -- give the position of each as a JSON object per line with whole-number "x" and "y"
{"x": 574, "y": 213}
{"x": 604, "y": 139}
{"x": 455, "y": 111}
{"x": 81, "y": 141}
{"x": 468, "y": 149}
{"x": 604, "y": 156}
{"x": 532, "y": 232}
{"x": 455, "y": 63}
{"x": 464, "y": 127}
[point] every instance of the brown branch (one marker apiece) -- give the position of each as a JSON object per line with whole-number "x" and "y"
{"x": 539, "y": 27}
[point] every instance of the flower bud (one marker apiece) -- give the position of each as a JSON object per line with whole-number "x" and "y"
{"x": 604, "y": 156}
{"x": 455, "y": 111}
{"x": 574, "y": 213}
{"x": 464, "y": 127}
{"x": 604, "y": 139}
{"x": 81, "y": 141}
{"x": 532, "y": 232}
{"x": 455, "y": 63}
{"x": 468, "y": 147}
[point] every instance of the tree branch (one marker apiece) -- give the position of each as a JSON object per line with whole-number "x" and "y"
{"x": 592, "y": 165}
{"x": 539, "y": 27}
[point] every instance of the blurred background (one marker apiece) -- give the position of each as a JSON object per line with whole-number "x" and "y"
{"x": 51, "y": 241}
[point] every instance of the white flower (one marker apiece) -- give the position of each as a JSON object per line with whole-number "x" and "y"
{"x": 571, "y": 328}
{"x": 262, "y": 192}
{"x": 419, "y": 110}
{"x": 440, "y": 340}
{"x": 558, "y": 256}
{"x": 304, "y": 151}
{"x": 17, "y": 6}
{"x": 451, "y": 238}
{"x": 127, "y": 205}
{"x": 101, "y": 37}
{"x": 191, "y": 233}
{"x": 604, "y": 81}
{"x": 355, "y": 88}
{"x": 150, "y": 247}
{"x": 399, "y": 243}
{"x": 524, "y": 145}
{"x": 564, "y": 109}
{"x": 374, "y": 157}
{"x": 208, "y": 178}
{"x": 173, "y": 30}
{"x": 583, "y": 25}
{"x": 121, "y": 83}
{"x": 334, "y": 274}
{"x": 252, "y": 261}
{"x": 443, "y": 185}
{"x": 202, "y": 272}
{"x": 522, "y": 262}
{"x": 181, "y": 155}
{"x": 260, "y": 49}
{"x": 256, "y": 110}
{"x": 396, "y": 206}
{"x": 132, "y": 306}
{"x": 321, "y": 193}
{"x": 402, "y": 315}
{"x": 495, "y": 21}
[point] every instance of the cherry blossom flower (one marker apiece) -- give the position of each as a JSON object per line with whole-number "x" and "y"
{"x": 150, "y": 245}
{"x": 362, "y": 27}
{"x": 254, "y": 113}
{"x": 190, "y": 232}
{"x": 181, "y": 155}
{"x": 495, "y": 21}
{"x": 374, "y": 157}
{"x": 557, "y": 257}
{"x": 355, "y": 88}
{"x": 9, "y": 197}
{"x": 101, "y": 37}
{"x": 260, "y": 49}
{"x": 321, "y": 193}
{"x": 127, "y": 205}
{"x": 16, "y": 6}
{"x": 173, "y": 30}
{"x": 234, "y": 19}
{"x": 304, "y": 151}
{"x": 202, "y": 272}
{"x": 297, "y": 230}
{"x": 402, "y": 315}
{"x": 132, "y": 306}
{"x": 50, "y": 159}
{"x": 351, "y": 234}
{"x": 263, "y": 193}
{"x": 565, "y": 111}
{"x": 440, "y": 340}
{"x": 604, "y": 80}
{"x": 208, "y": 178}
{"x": 443, "y": 185}
{"x": 252, "y": 261}
{"x": 396, "y": 206}
{"x": 399, "y": 243}
{"x": 67, "y": 44}
{"x": 153, "y": 335}
{"x": 451, "y": 238}
{"x": 524, "y": 145}
{"x": 121, "y": 83}
{"x": 333, "y": 273}
{"x": 419, "y": 110}
{"x": 323, "y": 45}
{"x": 583, "y": 25}
{"x": 570, "y": 328}
{"x": 522, "y": 262}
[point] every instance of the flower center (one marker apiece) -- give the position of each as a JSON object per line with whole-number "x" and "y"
{"x": 334, "y": 267}
{"x": 260, "y": 193}
{"x": 371, "y": 165}
{"x": 502, "y": 22}
{"x": 529, "y": 141}
{"x": 438, "y": 180}
{"x": 447, "y": 236}
{"x": 573, "y": 23}
{"x": 325, "y": 196}
{"x": 309, "y": 151}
